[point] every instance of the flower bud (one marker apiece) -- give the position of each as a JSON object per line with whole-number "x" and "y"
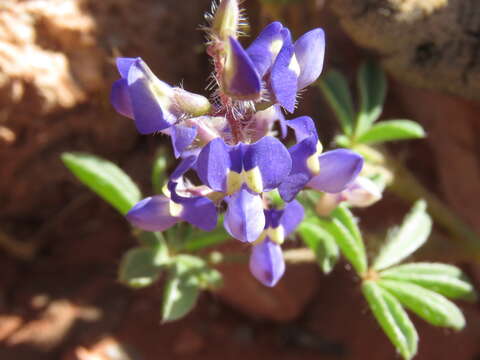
{"x": 226, "y": 20}
{"x": 190, "y": 103}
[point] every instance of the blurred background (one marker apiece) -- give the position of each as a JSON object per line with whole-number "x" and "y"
{"x": 60, "y": 245}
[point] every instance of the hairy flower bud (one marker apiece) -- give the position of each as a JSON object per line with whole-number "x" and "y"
{"x": 226, "y": 19}
{"x": 190, "y": 103}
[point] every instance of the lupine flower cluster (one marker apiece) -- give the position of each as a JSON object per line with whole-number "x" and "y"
{"x": 230, "y": 142}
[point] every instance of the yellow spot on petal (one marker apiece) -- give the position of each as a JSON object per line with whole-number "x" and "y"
{"x": 277, "y": 234}
{"x": 234, "y": 182}
{"x": 175, "y": 209}
{"x": 253, "y": 179}
{"x": 313, "y": 162}
{"x": 260, "y": 239}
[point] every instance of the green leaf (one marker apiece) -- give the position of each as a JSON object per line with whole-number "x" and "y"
{"x": 403, "y": 241}
{"x": 432, "y": 307}
{"x": 180, "y": 294}
{"x": 345, "y": 216}
{"x": 156, "y": 241}
{"x": 159, "y": 170}
{"x": 392, "y": 318}
{"x": 105, "y": 179}
{"x": 321, "y": 242}
{"x": 187, "y": 276}
{"x": 353, "y": 250}
{"x": 335, "y": 89}
{"x": 444, "y": 279}
{"x": 372, "y": 87}
{"x": 139, "y": 267}
{"x": 392, "y": 130}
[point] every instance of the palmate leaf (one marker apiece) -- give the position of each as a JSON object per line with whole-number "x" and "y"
{"x": 430, "y": 306}
{"x": 352, "y": 249}
{"x": 187, "y": 276}
{"x": 403, "y": 241}
{"x": 372, "y": 86}
{"x": 392, "y": 130}
{"x": 140, "y": 267}
{"x": 105, "y": 179}
{"x": 335, "y": 88}
{"x": 392, "y": 318}
{"x": 443, "y": 279}
{"x": 321, "y": 242}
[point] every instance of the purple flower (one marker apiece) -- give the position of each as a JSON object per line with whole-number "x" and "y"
{"x": 153, "y": 104}
{"x": 158, "y": 213}
{"x": 287, "y": 67}
{"x": 362, "y": 192}
{"x": 261, "y": 166}
{"x": 266, "y": 260}
{"x": 330, "y": 172}
{"x": 244, "y": 219}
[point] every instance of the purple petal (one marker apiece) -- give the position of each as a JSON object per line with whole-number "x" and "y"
{"x": 199, "y": 211}
{"x": 120, "y": 98}
{"x": 152, "y": 214}
{"x": 310, "y": 52}
{"x": 148, "y": 113}
{"x": 261, "y": 52}
{"x": 266, "y": 263}
{"x": 186, "y": 164}
{"x": 244, "y": 219}
{"x": 292, "y": 216}
{"x": 213, "y": 164}
{"x": 272, "y": 159}
{"x": 182, "y": 137}
{"x": 362, "y": 192}
{"x": 123, "y": 65}
{"x": 283, "y": 80}
{"x": 338, "y": 168}
{"x": 300, "y": 175}
{"x": 303, "y": 127}
{"x": 240, "y": 78}
{"x": 273, "y": 218}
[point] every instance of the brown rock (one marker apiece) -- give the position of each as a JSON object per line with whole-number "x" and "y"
{"x": 282, "y": 303}
{"x": 426, "y": 43}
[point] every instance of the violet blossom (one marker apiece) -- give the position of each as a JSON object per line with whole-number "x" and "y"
{"x": 229, "y": 142}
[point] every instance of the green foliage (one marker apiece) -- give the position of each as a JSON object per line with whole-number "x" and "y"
{"x": 198, "y": 240}
{"x": 187, "y": 276}
{"x": 335, "y": 89}
{"x": 403, "y": 241}
{"x": 359, "y": 126}
{"x": 347, "y": 240}
{"x": 159, "y": 170}
{"x": 392, "y": 130}
{"x": 443, "y": 279}
{"x": 105, "y": 179}
{"x": 432, "y": 307}
{"x": 392, "y": 318}
{"x": 140, "y": 267}
{"x": 372, "y": 87}
{"x": 321, "y": 242}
